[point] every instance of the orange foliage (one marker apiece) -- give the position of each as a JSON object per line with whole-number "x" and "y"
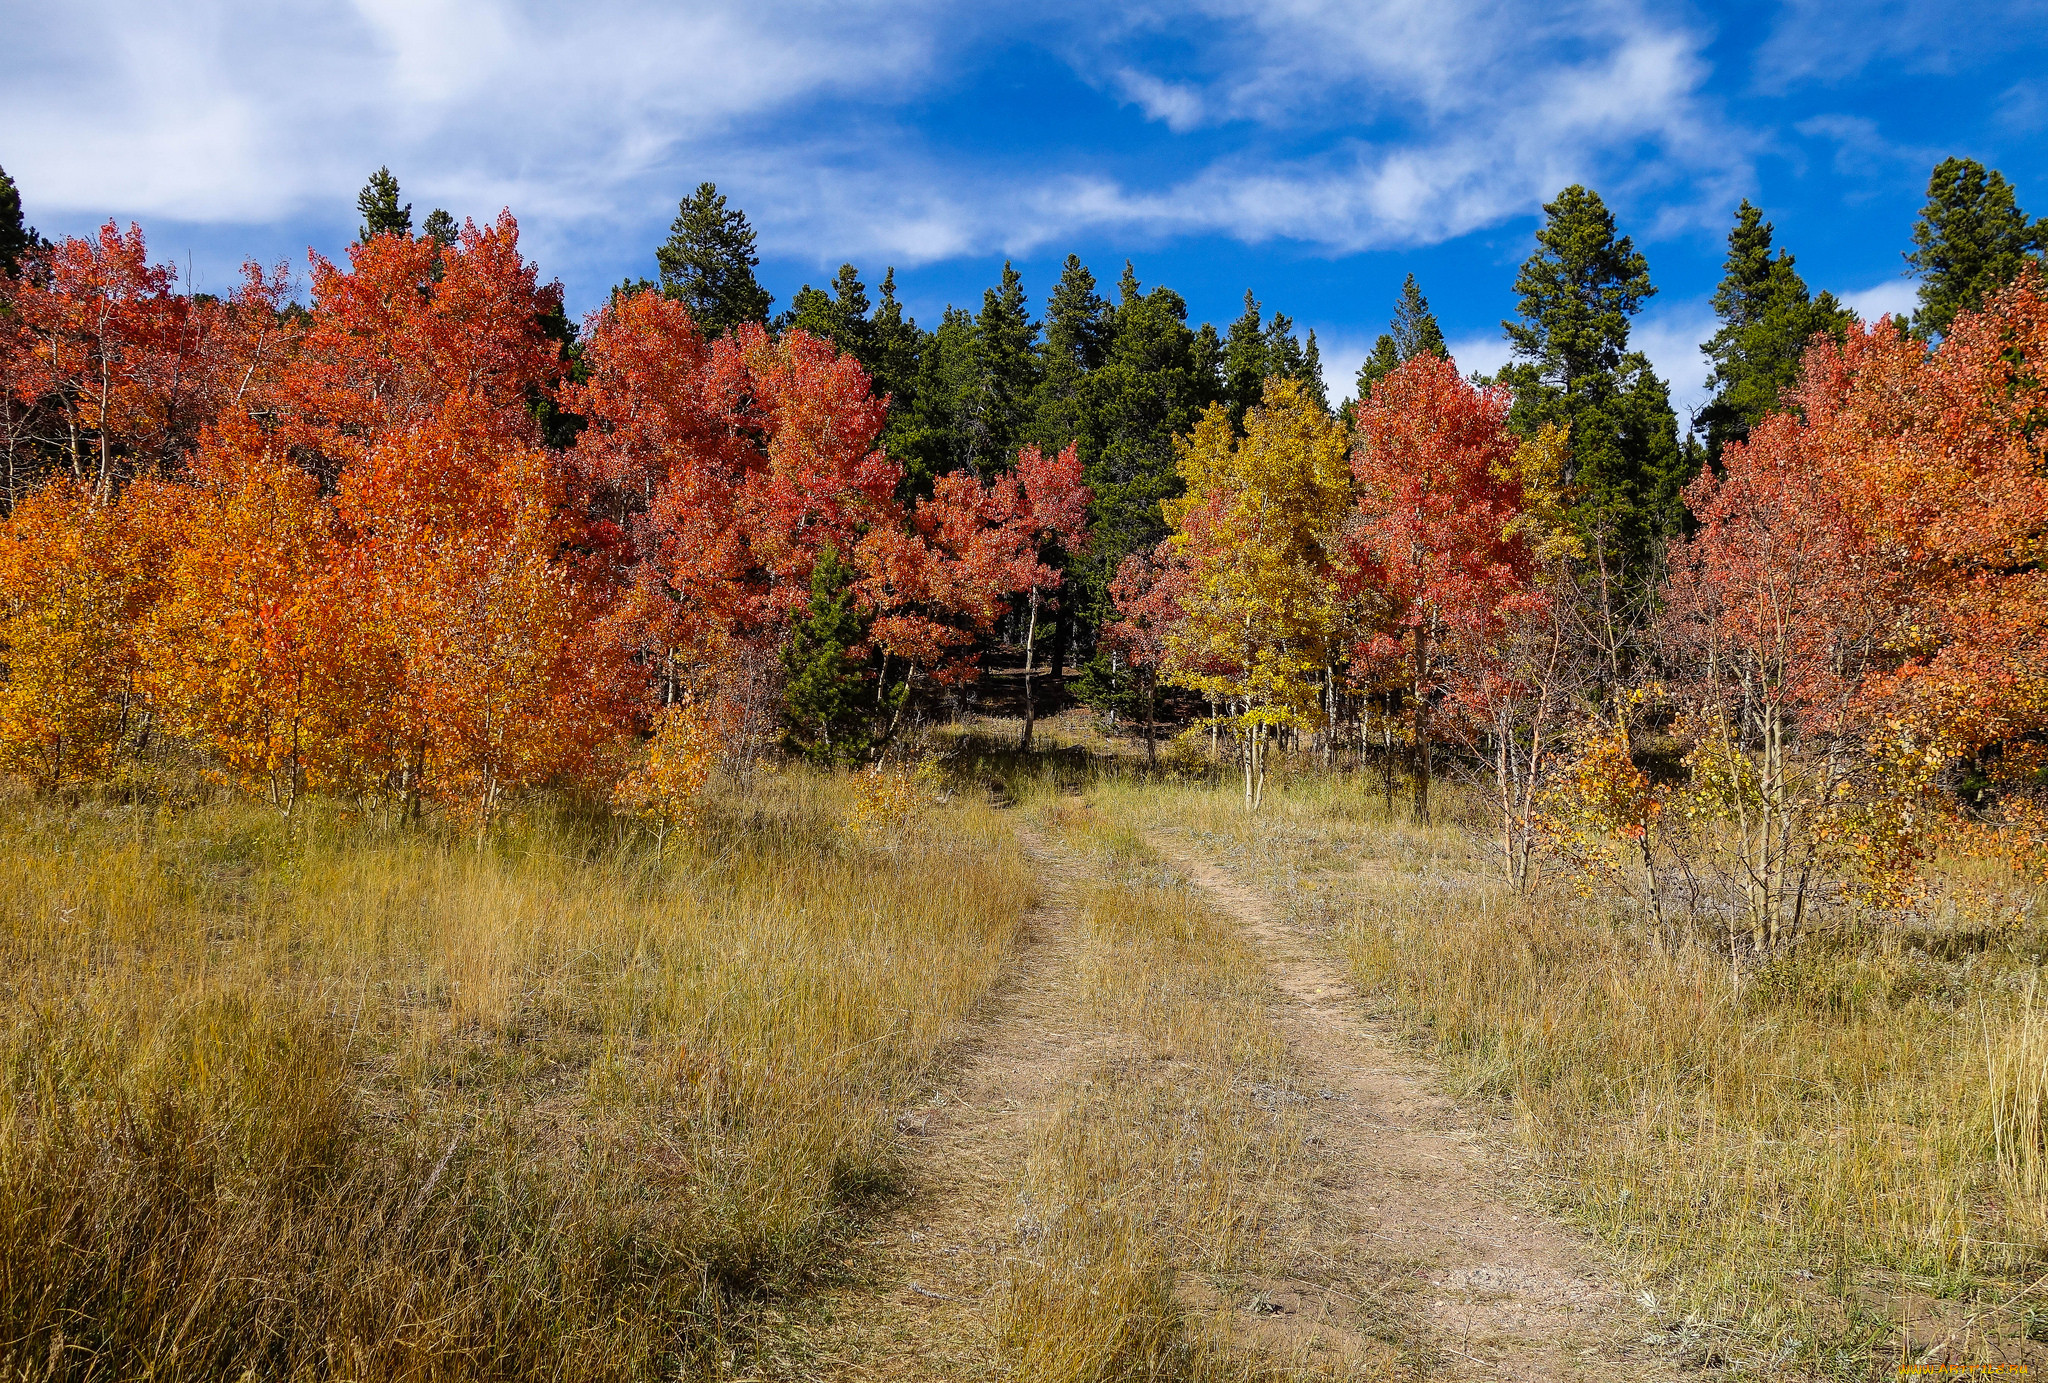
{"x": 76, "y": 573}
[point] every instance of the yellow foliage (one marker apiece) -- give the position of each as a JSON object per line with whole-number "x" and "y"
{"x": 889, "y": 798}
{"x": 667, "y": 791}
{"x": 1256, "y": 532}
{"x": 1539, "y": 463}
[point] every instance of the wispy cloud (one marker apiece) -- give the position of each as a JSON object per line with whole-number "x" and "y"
{"x": 1830, "y": 42}
{"x": 1343, "y": 127}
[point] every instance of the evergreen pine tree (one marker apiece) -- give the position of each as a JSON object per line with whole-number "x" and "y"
{"x": 1311, "y": 374}
{"x": 708, "y": 263}
{"x": 1004, "y": 373}
{"x": 840, "y": 316}
{"x": 1969, "y": 242}
{"x": 826, "y": 705}
{"x": 934, "y": 434}
{"x": 1412, "y": 332}
{"x": 378, "y": 203}
{"x": 1575, "y": 369}
{"x": 1247, "y": 360}
{"x": 17, "y": 238}
{"x": 1768, "y": 317}
{"x": 1385, "y": 358}
{"x": 1283, "y": 349}
{"x": 440, "y": 227}
{"x": 1076, "y": 339}
{"x": 1155, "y": 379}
{"x": 895, "y": 346}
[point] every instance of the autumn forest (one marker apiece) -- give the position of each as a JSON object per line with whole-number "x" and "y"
{"x": 709, "y": 841}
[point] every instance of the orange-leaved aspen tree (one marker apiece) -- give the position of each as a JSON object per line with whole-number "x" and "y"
{"x": 246, "y": 652}
{"x": 473, "y": 594}
{"x": 1434, "y": 539}
{"x": 77, "y": 571}
{"x": 1255, "y": 538}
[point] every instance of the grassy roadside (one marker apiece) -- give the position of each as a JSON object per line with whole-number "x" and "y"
{"x": 1805, "y": 1172}
{"x": 318, "y": 1099}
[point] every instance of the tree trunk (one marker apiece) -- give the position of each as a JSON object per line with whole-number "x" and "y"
{"x": 1030, "y": 706}
{"x": 1151, "y": 719}
{"x": 1422, "y": 764}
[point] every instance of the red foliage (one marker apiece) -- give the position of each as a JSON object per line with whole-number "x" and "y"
{"x": 1434, "y": 544}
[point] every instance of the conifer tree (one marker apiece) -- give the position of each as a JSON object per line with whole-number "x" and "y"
{"x": 1247, "y": 360}
{"x": 933, "y": 440}
{"x": 1154, "y": 382}
{"x": 1004, "y": 372}
{"x": 825, "y": 702}
{"x": 840, "y": 316}
{"x": 1768, "y": 317}
{"x": 1969, "y": 242}
{"x": 1412, "y": 332}
{"x": 895, "y": 346}
{"x": 708, "y": 263}
{"x": 17, "y": 238}
{"x": 1076, "y": 340}
{"x": 378, "y": 203}
{"x": 440, "y": 228}
{"x": 1311, "y": 373}
{"x": 1575, "y": 370}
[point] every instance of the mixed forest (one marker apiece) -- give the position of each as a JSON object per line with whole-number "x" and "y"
{"x": 376, "y": 640}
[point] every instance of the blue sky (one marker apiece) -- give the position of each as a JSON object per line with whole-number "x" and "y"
{"x": 1314, "y": 152}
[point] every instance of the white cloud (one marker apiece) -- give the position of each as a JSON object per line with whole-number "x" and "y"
{"x": 234, "y": 110}
{"x": 1896, "y": 297}
{"x": 1483, "y": 352}
{"x": 1670, "y": 333}
{"x": 1445, "y": 115}
{"x": 1342, "y": 125}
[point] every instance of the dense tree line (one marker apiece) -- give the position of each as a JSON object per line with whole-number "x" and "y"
{"x": 691, "y": 498}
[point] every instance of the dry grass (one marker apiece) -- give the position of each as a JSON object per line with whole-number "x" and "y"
{"x": 1172, "y": 1160}
{"x": 320, "y": 1100}
{"x": 1839, "y": 1166}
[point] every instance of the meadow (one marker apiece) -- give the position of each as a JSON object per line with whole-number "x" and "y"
{"x": 336, "y": 1096}
{"x": 330, "y": 1098}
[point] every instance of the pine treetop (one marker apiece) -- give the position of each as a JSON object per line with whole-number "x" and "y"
{"x": 1970, "y": 241}
{"x": 708, "y": 263}
{"x": 381, "y": 213}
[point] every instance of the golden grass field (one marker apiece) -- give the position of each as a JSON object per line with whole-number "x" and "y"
{"x": 323, "y": 1100}
{"x": 332, "y": 1099}
{"x": 1848, "y": 1154}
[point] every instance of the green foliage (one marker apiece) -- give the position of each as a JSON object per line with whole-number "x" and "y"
{"x": 1002, "y": 374}
{"x": 378, "y": 203}
{"x": 1412, "y": 332}
{"x": 17, "y": 238}
{"x": 928, "y": 436}
{"x": 1077, "y": 337}
{"x": 840, "y": 316}
{"x": 440, "y": 228}
{"x": 826, "y": 708}
{"x": 1970, "y": 241}
{"x": 1768, "y": 317}
{"x": 1244, "y": 361}
{"x": 1575, "y": 370}
{"x": 1257, "y": 350}
{"x": 708, "y": 263}
{"x": 1155, "y": 379}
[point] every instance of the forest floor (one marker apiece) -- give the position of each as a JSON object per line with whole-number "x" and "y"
{"x": 1391, "y": 1241}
